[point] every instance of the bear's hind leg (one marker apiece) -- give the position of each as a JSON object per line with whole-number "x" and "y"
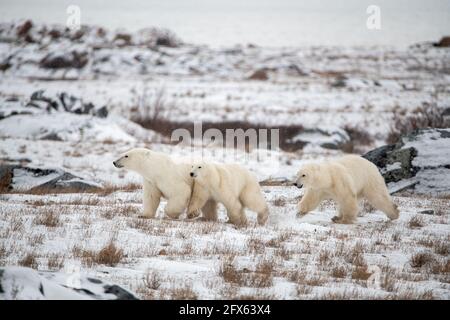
{"x": 253, "y": 199}
{"x": 383, "y": 203}
{"x": 151, "y": 199}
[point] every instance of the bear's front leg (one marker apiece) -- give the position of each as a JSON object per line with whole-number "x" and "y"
{"x": 348, "y": 210}
{"x": 236, "y": 214}
{"x": 151, "y": 199}
{"x": 310, "y": 200}
{"x": 198, "y": 199}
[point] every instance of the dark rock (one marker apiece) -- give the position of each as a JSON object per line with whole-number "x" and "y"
{"x": 23, "y": 29}
{"x": 418, "y": 162}
{"x": 119, "y": 292}
{"x": 123, "y": 38}
{"x": 67, "y": 181}
{"x": 260, "y": 74}
{"x": 62, "y": 180}
{"x": 65, "y": 102}
{"x": 5, "y": 65}
{"x": 52, "y": 136}
{"x": 339, "y": 82}
{"x": 443, "y": 43}
{"x": 72, "y": 59}
{"x": 102, "y": 112}
{"x": 431, "y": 212}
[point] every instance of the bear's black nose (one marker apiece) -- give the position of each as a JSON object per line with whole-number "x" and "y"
{"x": 192, "y": 174}
{"x": 295, "y": 183}
{"x": 114, "y": 163}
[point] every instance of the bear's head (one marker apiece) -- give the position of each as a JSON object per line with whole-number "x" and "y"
{"x": 133, "y": 159}
{"x": 198, "y": 171}
{"x": 313, "y": 176}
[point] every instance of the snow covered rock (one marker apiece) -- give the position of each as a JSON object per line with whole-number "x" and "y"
{"x": 21, "y": 177}
{"x": 65, "y": 102}
{"x": 64, "y": 117}
{"x": 18, "y": 283}
{"x": 419, "y": 162}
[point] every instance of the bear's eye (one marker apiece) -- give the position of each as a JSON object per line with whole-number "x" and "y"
{"x": 126, "y": 156}
{"x": 303, "y": 175}
{"x": 199, "y": 167}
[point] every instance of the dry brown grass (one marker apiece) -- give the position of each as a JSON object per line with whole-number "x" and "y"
{"x": 359, "y": 138}
{"x": 184, "y": 292}
{"x": 152, "y": 280}
{"x": 261, "y": 277}
{"x": 441, "y": 247}
{"x": 360, "y": 273}
{"x": 421, "y": 259}
{"x": 29, "y": 260}
{"x": 109, "y": 255}
{"x": 426, "y": 116}
{"x": 338, "y": 272}
{"x": 279, "y": 202}
{"x": 55, "y": 262}
{"x": 47, "y": 217}
{"x": 416, "y": 222}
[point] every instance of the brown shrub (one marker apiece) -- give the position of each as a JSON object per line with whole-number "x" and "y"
{"x": 421, "y": 259}
{"x": 55, "y": 262}
{"x": 338, "y": 272}
{"x": 109, "y": 255}
{"x": 29, "y": 260}
{"x": 426, "y": 116}
{"x": 48, "y": 218}
{"x": 152, "y": 280}
{"x": 184, "y": 292}
{"x": 415, "y": 222}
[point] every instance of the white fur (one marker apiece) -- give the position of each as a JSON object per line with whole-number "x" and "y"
{"x": 345, "y": 180}
{"x": 233, "y": 186}
{"x": 162, "y": 177}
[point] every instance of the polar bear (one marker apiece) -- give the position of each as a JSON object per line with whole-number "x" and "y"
{"x": 233, "y": 186}
{"x": 163, "y": 177}
{"x": 344, "y": 180}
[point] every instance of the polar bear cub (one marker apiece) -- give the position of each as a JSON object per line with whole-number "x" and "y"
{"x": 233, "y": 186}
{"x": 344, "y": 180}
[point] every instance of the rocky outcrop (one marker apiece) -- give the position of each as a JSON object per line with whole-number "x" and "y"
{"x": 443, "y": 43}
{"x": 19, "y": 283}
{"x": 27, "y": 178}
{"x": 65, "y": 103}
{"x": 420, "y": 162}
{"x": 61, "y": 60}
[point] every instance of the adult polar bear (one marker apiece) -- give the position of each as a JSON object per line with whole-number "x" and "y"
{"x": 233, "y": 186}
{"x": 165, "y": 178}
{"x": 344, "y": 180}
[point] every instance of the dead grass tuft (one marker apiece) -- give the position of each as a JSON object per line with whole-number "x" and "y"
{"x": 47, "y": 217}
{"x": 416, "y": 222}
{"x": 29, "y": 260}
{"x": 421, "y": 259}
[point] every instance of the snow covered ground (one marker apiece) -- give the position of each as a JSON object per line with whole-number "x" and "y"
{"x": 326, "y": 89}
